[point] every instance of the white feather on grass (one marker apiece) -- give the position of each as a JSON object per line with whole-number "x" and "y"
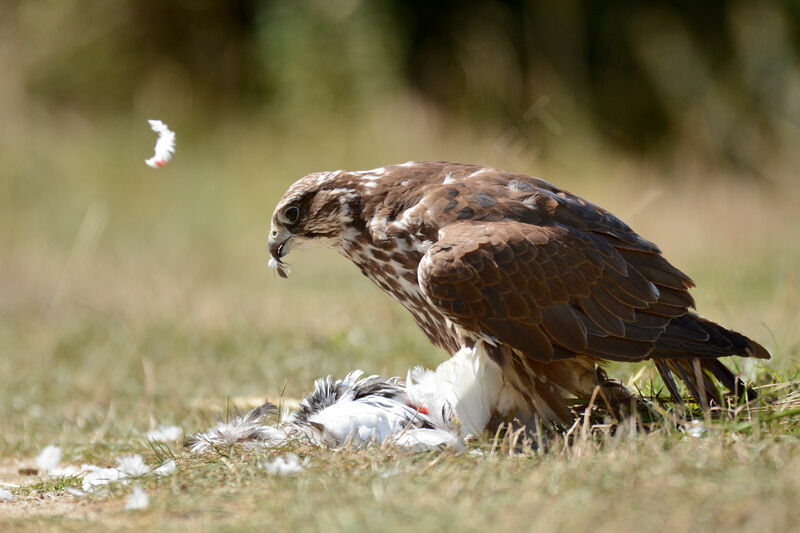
{"x": 137, "y": 500}
{"x": 92, "y": 476}
{"x": 6, "y": 495}
{"x": 132, "y": 465}
{"x": 285, "y": 465}
{"x": 96, "y": 476}
{"x": 165, "y": 145}
{"x": 127, "y": 466}
{"x": 167, "y": 468}
{"x": 249, "y": 430}
{"x": 48, "y": 458}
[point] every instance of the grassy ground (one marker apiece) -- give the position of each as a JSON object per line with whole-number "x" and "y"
{"x": 131, "y": 298}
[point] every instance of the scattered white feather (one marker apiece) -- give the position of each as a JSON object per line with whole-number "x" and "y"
{"x": 132, "y": 465}
{"x": 6, "y": 495}
{"x": 93, "y": 476}
{"x": 167, "y": 468}
{"x": 165, "y": 434}
{"x": 78, "y": 493}
{"x": 165, "y": 145}
{"x": 285, "y": 465}
{"x": 67, "y": 471}
{"x": 138, "y": 499}
{"x": 49, "y": 458}
{"x": 248, "y": 429}
{"x": 97, "y": 477}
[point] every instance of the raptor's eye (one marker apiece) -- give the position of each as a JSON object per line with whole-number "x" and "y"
{"x": 291, "y": 214}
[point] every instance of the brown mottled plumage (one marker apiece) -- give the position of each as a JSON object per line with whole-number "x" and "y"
{"x": 553, "y": 284}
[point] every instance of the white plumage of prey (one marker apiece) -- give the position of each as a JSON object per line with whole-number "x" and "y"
{"x": 432, "y": 409}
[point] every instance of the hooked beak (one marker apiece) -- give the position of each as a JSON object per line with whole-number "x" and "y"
{"x": 278, "y": 244}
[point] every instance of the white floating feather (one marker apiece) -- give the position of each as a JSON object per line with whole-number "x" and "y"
{"x": 165, "y": 145}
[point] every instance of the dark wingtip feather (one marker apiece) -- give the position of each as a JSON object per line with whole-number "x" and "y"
{"x": 754, "y": 349}
{"x": 691, "y": 336}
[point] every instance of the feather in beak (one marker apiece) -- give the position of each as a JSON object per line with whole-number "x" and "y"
{"x": 278, "y": 249}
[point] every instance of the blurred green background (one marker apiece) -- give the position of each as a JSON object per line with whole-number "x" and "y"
{"x": 135, "y": 292}
{"x": 650, "y": 78}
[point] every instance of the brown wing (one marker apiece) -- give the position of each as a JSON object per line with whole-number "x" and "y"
{"x": 553, "y": 291}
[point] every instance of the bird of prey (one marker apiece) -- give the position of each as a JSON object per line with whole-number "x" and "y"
{"x": 550, "y": 285}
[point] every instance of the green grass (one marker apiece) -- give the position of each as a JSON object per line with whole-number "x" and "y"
{"x": 131, "y": 298}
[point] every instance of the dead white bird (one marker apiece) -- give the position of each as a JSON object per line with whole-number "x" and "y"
{"x": 165, "y": 145}
{"x": 360, "y": 411}
{"x": 432, "y": 409}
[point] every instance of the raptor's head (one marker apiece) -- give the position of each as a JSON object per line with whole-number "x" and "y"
{"x": 316, "y": 209}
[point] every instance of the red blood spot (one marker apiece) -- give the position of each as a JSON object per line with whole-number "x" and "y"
{"x": 160, "y": 163}
{"x": 422, "y": 409}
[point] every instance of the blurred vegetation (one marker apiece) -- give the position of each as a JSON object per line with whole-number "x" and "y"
{"x": 716, "y": 81}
